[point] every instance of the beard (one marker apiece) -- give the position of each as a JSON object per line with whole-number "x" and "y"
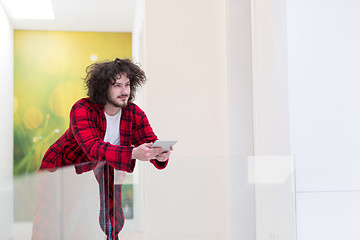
{"x": 121, "y": 104}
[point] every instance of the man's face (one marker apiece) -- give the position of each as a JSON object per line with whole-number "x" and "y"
{"x": 119, "y": 92}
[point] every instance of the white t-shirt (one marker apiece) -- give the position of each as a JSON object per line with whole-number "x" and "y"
{"x": 112, "y": 134}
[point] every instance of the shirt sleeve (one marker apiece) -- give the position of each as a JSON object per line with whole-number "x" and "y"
{"x": 145, "y": 134}
{"x": 84, "y": 129}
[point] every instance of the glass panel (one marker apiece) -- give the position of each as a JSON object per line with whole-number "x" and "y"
{"x": 274, "y": 180}
{"x": 67, "y": 203}
{"x": 85, "y": 201}
{"x": 94, "y": 201}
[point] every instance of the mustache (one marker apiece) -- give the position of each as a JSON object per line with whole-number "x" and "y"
{"x": 125, "y": 95}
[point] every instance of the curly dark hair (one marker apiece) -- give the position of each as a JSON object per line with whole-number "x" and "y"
{"x": 101, "y": 75}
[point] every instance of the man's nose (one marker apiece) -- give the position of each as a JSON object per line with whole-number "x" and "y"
{"x": 123, "y": 90}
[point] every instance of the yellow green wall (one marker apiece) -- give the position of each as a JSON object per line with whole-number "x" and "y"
{"x": 49, "y": 68}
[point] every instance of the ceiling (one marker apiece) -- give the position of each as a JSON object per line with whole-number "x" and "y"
{"x": 84, "y": 15}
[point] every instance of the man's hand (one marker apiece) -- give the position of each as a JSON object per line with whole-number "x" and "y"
{"x": 144, "y": 152}
{"x": 162, "y": 157}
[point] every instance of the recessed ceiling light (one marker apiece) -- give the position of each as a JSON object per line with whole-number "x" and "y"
{"x": 29, "y": 9}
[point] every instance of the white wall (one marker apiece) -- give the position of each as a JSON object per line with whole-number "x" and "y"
{"x": 324, "y": 83}
{"x": 186, "y": 66}
{"x": 6, "y": 126}
{"x": 239, "y": 60}
{"x": 323, "y": 43}
{"x": 137, "y": 45}
{"x": 270, "y": 83}
{"x": 186, "y": 99}
{"x": 275, "y": 201}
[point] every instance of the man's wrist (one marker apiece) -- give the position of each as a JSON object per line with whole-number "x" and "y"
{"x": 134, "y": 153}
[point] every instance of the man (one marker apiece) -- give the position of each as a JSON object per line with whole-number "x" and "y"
{"x": 107, "y": 131}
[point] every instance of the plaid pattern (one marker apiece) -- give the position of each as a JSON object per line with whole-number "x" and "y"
{"x": 82, "y": 145}
{"x": 111, "y": 216}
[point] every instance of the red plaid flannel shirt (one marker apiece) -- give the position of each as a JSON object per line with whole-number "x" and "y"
{"x": 83, "y": 141}
{"x": 82, "y": 145}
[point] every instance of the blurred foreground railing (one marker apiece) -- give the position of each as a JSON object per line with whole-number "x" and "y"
{"x": 74, "y": 202}
{"x": 95, "y": 202}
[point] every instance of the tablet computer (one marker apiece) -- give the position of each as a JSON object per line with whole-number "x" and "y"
{"x": 164, "y": 144}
